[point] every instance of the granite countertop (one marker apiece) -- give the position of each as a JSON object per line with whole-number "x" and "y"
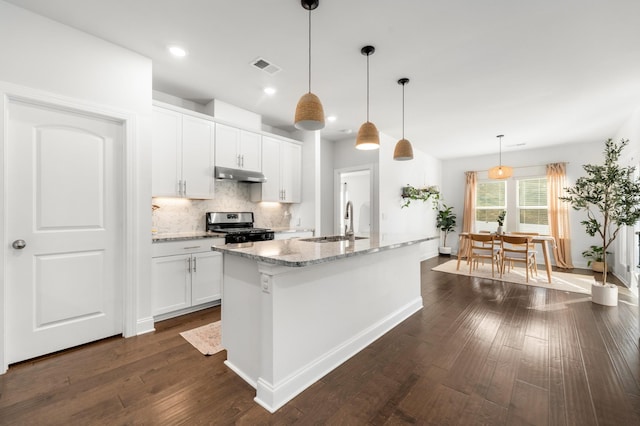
{"x": 181, "y": 236}
{"x": 298, "y": 253}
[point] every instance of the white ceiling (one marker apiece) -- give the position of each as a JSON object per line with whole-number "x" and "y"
{"x": 541, "y": 72}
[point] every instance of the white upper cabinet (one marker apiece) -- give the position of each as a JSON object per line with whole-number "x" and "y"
{"x": 282, "y": 167}
{"x": 166, "y": 153}
{"x": 238, "y": 148}
{"x": 182, "y": 155}
{"x": 291, "y": 172}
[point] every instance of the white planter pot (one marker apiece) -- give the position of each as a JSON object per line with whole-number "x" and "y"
{"x": 444, "y": 250}
{"x": 606, "y": 295}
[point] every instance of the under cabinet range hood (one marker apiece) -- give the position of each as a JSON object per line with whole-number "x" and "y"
{"x": 239, "y": 175}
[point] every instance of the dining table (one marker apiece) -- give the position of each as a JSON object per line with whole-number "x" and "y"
{"x": 543, "y": 240}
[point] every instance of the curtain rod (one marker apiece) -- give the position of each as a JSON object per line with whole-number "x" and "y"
{"x": 526, "y": 167}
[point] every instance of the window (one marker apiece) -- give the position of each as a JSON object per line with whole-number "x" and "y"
{"x": 524, "y": 199}
{"x": 533, "y": 213}
{"x": 491, "y": 199}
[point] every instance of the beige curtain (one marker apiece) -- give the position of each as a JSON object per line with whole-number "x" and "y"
{"x": 469, "y": 217}
{"x": 559, "y": 215}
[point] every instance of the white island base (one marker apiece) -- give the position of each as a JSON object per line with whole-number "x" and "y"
{"x": 285, "y": 327}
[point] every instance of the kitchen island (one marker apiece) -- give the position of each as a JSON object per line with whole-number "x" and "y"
{"x": 293, "y": 310}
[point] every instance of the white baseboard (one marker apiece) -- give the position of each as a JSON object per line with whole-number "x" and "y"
{"x": 273, "y": 396}
{"x": 144, "y": 325}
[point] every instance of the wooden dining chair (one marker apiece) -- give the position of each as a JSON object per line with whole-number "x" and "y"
{"x": 483, "y": 246}
{"x": 518, "y": 248}
{"x": 531, "y": 243}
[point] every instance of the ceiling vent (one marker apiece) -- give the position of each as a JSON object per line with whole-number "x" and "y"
{"x": 266, "y": 66}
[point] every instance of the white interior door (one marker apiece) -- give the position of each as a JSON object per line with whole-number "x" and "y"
{"x": 64, "y": 228}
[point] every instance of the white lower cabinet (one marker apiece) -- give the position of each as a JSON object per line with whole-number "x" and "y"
{"x": 186, "y": 276}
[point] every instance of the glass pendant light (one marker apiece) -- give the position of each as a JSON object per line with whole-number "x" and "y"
{"x": 500, "y": 171}
{"x": 368, "y": 137}
{"x": 309, "y": 111}
{"x": 403, "y": 150}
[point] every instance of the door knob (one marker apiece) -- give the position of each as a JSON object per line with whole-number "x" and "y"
{"x": 19, "y": 244}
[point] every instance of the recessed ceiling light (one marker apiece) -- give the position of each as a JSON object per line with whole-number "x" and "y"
{"x": 331, "y": 118}
{"x": 177, "y": 51}
{"x": 270, "y": 90}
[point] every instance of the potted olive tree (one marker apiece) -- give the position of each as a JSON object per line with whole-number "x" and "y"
{"x": 446, "y": 222}
{"x": 611, "y": 198}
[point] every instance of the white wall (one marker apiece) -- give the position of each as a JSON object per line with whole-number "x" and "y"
{"x": 528, "y": 162}
{"x": 326, "y": 187}
{"x": 625, "y": 262}
{"x": 41, "y": 54}
{"x": 419, "y": 218}
{"x": 306, "y": 214}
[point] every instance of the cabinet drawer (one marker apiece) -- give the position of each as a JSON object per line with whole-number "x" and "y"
{"x": 170, "y": 248}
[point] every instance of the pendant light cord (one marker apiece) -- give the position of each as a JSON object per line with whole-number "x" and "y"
{"x": 368, "y": 87}
{"x": 403, "y": 111}
{"x": 309, "y": 50}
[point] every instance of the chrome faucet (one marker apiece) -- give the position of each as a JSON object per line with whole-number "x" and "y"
{"x": 349, "y": 215}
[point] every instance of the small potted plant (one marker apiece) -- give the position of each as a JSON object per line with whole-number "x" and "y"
{"x": 595, "y": 254}
{"x": 446, "y": 222}
{"x": 500, "y": 219}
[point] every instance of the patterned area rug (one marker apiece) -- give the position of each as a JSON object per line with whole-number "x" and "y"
{"x": 207, "y": 339}
{"x": 563, "y": 281}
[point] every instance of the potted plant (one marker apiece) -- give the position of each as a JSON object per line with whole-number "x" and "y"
{"x": 596, "y": 255}
{"x": 500, "y": 219}
{"x": 446, "y": 222}
{"x": 423, "y": 194}
{"x": 610, "y": 196}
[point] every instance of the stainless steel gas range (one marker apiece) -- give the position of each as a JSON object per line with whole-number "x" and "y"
{"x": 237, "y": 227}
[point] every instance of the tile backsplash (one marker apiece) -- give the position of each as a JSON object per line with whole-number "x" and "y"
{"x": 176, "y": 215}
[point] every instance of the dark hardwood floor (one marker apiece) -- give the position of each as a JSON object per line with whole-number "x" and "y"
{"x": 480, "y": 352}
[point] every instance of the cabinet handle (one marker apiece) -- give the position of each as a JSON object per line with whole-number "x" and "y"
{"x": 238, "y": 161}
{"x": 242, "y": 160}
{"x": 284, "y": 194}
{"x": 189, "y": 265}
{"x": 194, "y": 264}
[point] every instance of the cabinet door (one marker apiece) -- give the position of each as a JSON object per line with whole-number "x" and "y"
{"x": 291, "y": 172}
{"x": 271, "y": 189}
{"x": 166, "y": 152}
{"x": 250, "y": 151}
{"x": 170, "y": 283}
{"x": 206, "y": 277}
{"x": 227, "y": 141}
{"x": 197, "y": 157}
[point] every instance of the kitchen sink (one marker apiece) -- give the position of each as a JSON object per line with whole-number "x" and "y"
{"x": 329, "y": 239}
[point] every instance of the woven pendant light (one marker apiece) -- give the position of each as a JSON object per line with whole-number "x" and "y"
{"x": 309, "y": 111}
{"x": 368, "y": 137}
{"x": 500, "y": 171}
{"x": 403, "y": 150}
